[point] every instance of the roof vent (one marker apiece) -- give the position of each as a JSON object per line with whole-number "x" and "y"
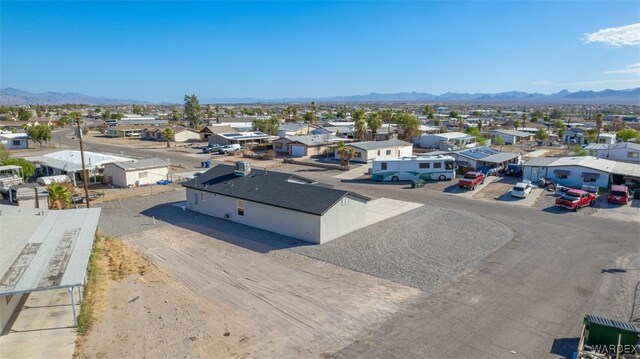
{"x": 242, "y": 168}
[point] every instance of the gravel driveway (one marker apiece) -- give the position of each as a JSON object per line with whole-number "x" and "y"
{"x": 421, "y": 248}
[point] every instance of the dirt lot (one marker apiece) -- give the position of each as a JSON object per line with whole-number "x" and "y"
{"x": 203, "y": 297}
{"x": 547, "y": 200}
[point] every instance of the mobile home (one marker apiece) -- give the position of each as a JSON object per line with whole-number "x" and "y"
{"x": 414, "y": 167}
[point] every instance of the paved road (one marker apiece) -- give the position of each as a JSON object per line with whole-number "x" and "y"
{"x": 190, "y": 162}
{"x": 528, "y": 297}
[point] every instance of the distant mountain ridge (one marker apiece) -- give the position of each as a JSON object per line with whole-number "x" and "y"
{"x": 12, "y": 96}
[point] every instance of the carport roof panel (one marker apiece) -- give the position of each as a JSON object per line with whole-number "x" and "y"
{"x": 44, "y": 249}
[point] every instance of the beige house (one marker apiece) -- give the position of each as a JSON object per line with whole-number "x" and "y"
{"x": 180, "y": 134}
{"x": 305, "y": 146}
{"x": 368, "y": 150}
{"x": 206, "y": 132}
{"x": 137, "y": 172}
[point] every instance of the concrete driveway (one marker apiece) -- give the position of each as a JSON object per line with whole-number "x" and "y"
{"x": 359, "y": 171}
{"x": 507, "y": 198}
{"x": 457, "y": 191}
{"x": 625, "y": 213}
{"x": 383, "y": 208}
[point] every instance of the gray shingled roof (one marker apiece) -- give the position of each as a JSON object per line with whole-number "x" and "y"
{"x": 153, "y": 162}
{"x": 375, "y": 145}
{"x": 270, "y": 188}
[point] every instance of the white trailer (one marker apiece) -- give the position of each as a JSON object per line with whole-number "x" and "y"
{"x": 414, "y": 167}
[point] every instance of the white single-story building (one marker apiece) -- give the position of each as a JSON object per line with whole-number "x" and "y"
{"x": 512, "y": 136}
{"x": 180, "y": 134}
{"x": 241, "y": 138}
{"x": 278, "y": 202}
{"x": 293, "y": 129}
{"x": 340, "y": 131}
{"x": 447, "y": 141}
{"x": 367, "y": 151}
{"x": 607, "y": 138}
{"x": 621, "y": 151}
{"x": 484, "y": 157}
{"x": 137, "y": 172}
{"x": 14, "y": 141}
{"x": 578, "y": 171}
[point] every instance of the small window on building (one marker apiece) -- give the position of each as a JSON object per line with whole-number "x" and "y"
{"x": 383, "y": 166}
{"x": 240, "y": 207}
{"x": 202, "y": 196}
{"x": 195, "y": 198}
{"x": 424, "y": 165}
{"x": 378, "y": 152}
{"x": 561, "y": 176}
{"x": 16, "y": 142}
{"x": 143, "y": 174}
{"x": 357, "y": 155}
{"x": 345, "y": 201}
{"x": 437, "y": 165}
{"x": 633, "y": 154}
{"x": 589, "y": 179}
{"x": 278, "y": 145}
{"x": 388, "y": 152}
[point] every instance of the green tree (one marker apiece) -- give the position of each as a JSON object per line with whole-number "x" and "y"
{"x": 542, "y": 134}
{"x": 428, "y": 111}
{"x": 579, "y": 151}
{"x": 209, "y": 111}
{"x": 437, "y": 122}
{"x": 64, "y": 120}
{"x": 374, "y": 122}
{"x": 473, "y": 131}
{"x": 24, "y": 114}
{"x": 555, "y": 114}
{"x": 408, "y": 126}
{"x": 39, "y": 134}
{"x": 460, "y": 121}
{"x": 516, "y": 124}
{"x": 360, "y": 123}
{"x": 59, "y": 196}
{"x": 345, "y": 153}
{"x": 598, "y": 126}
{"x": 4, "y": 153}
{"x": 28, "y": 168}
{"x": 106, "y": 115}
{"x": 387, "y": 117}
{"x": 310, "y": 117}
{"x": 192, "y": 110}
{"x": 591, "y": 135}
{"x": 453, "y": 114}
{"x": 628, "y": 134}
{"x": 524, "y": 120}
{"x": 137, "y": 110}
{"x": 167, "y": 133}
{"x": 499, "y": 141}
{"x": 537, "y": 115}
{"x": 269, "y": 126}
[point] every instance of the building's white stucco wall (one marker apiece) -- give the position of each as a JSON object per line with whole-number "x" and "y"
{"x": 574, "y": 179}
{"x": 122, "y": 178}
{"x": 343, "y": 218}
{"x": 274, "y": 219}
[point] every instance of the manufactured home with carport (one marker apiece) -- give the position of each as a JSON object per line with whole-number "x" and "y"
{"x": 579, "y": 171}
{"x": 278, "y": 202}
{"x": 305, "y": 146}
{"x": 367, "y": 151}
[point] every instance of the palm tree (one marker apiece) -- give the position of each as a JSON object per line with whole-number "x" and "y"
{"x": 208, "y": 111}
{"x": 217, "y": 108}
{"x": 516, "y": 124}
{"x": 360, "y": 123}
{"x": 479, "y": 125}
{"x": 168, "y": 135}
{"x": 524, "y": 120}
{"x": 598, "y": 126}
{"x": 387, "y": 116}
{"x": 345, "y": 153}
{"x": 460, "y": 124}
{"x": 374, "y": 122}
{"x": 59, "y": 196}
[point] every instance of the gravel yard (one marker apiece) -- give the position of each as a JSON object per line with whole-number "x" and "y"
{"x": 420, "y": 248}
{"x": 547, "y": 200}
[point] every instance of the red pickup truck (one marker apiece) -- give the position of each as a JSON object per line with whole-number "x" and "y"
{"x": 574, "y": 199}
{"x": 471, "y": 180}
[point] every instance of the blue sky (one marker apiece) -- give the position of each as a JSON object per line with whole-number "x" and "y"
{"x": 159, "y": 51}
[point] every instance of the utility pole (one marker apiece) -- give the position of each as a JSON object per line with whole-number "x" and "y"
{"x": 84, "y": 171}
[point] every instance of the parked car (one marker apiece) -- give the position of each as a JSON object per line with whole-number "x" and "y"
{"x": 211, "y": 149}
{"x": 471, "y": 180}
{"x": 229, "y": 148}
{"x": 521, "y": 189}
{"x": 194, "y": 175}
{"x": 574, "y": 199}
{"x": 514, "y": 170}
{"x": 618, "y": 194}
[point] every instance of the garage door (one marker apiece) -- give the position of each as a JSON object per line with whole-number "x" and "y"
{"x": 297, "y": 151}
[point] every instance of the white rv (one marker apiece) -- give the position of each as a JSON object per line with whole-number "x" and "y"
{"x": 414, "y": 167}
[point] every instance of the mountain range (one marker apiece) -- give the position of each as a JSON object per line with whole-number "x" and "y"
{"x": 12, "y": 96}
